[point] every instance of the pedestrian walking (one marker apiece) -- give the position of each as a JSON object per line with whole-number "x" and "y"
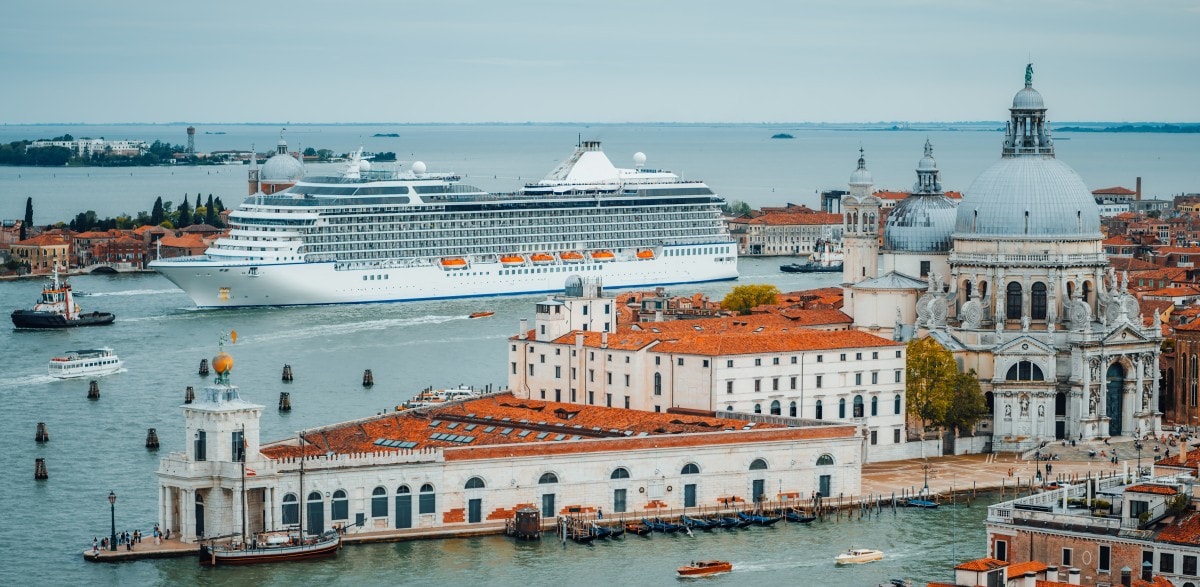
{"x": 168, "y": 534}
{"x": 599, "y": 514}
{"x": 95, "y": 546}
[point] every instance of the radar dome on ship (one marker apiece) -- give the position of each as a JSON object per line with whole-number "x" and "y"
{"x": 418, "y": 167}
{"x": 639, "y": 159}
{"x": 364, "y": 165}
{"x": 222, "y": 363}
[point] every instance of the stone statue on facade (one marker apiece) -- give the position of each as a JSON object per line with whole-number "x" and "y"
{"x": 1025, "y": 321}
{"x": 1024, "y": 405}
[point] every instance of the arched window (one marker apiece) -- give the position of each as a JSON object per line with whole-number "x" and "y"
{"x": 1192, "y": 381}
{"x": 824, "y": 460}
{"x": 967, "y": 287}
{"x": 1037, "y": 301}
{"x": 690, "y": 469}
{"x": 340, "y": 509}
{"x": 291, "y": 510}
{"x": 858, "y": 406}
{"x": 728, "y": 408}
{"x": 1087, "y": 292}
{"x": 314, "y": 496}
{"x": 896, "y": 404}
{"x": 658, "y": 384}
{"x": 874, "y": 405}
{"x": 1025, "y": 371}
{"x": 403, "y": 490}
{"x": 619, "y": 473}
{"x": 547, "y": 478}
{"x": 379, "y": 503}
{"x": 758, "y": 465}
{"x": 776, "y": 409}
{"x": 757, "y": 408}
{"x": 1012, "y": 307}
{"x": 792, "y": 409}
{"x": 820, "y": 411}
{"x": 989, "y": 400}
{"x": 475, "y": 483}
{"x": 842, "y": 408}
{"x": 427, "y": 502}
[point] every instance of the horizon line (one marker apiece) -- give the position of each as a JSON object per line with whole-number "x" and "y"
{"x": 592, "y": 123}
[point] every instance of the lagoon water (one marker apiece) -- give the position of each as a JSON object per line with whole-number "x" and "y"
{"x": 98, "y": 446}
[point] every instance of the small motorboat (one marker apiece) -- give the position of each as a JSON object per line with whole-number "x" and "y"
{"x": 483, "y": 314}
{"x": 638, "y": 528}
{"x": 921, "y": 503}
{"x": 704, "y": 568}
{"x": 799, "y": 518}
{"x": 856, "y": 556}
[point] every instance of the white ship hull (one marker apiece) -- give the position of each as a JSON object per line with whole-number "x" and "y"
{"x": 224, "y": 284}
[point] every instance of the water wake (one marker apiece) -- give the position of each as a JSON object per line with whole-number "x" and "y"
{"x": 129, "y": 292}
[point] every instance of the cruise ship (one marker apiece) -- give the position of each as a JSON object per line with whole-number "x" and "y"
{"x": 373, "y": 235}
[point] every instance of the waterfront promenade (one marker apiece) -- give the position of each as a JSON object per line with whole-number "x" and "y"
{"x": 964, "y": 475}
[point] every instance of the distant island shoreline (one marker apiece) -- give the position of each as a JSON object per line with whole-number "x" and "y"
{"x": 779, "y": 126}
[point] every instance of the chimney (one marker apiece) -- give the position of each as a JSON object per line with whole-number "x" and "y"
{"x": 658, "y": 316}
{"x": 1030, "y": 579}
{"x": 1147, "y": 571}
{"x": 1183, "y": 453}
{"x": 1137, "y": 191}
{"x": 1073, "y": 576}
{"x": 524, "y": 334}
{"x": 1126, "y": 577}
{"x": 604, "y": 339}
{"x": 579, "y": 341}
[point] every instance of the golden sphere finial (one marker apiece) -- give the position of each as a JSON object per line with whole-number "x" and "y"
{"x": 222, "y": 363}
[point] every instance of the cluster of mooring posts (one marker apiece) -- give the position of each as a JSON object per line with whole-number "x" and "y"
{"x": 287, "y": 373}
{"x": 93, "y": 390}
{"x": 368, "y": 378}
{"x": 204, "y": 367}
{"x": 285, "y": 401}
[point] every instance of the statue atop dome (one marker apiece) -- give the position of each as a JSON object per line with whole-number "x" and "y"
{"x": 1028, "y": 74}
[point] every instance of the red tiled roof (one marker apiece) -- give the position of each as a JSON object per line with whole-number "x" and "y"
{"x": 1114, "y": 191}
{"x": 981, "y": 565}
{"x": 785, "y": 218}
{"x": 1151, "y": 488}
{"x": 1120, "y": 239}
{"x": 1019, "y": 569}
{"x": 44, "y": 240}
{"x": 187, "y": 241}
{"x": 485, "y": 420}
{"x": 727, "y": 336}
{"x": 1183, "y": 290}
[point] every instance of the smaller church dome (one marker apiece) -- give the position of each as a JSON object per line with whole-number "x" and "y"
{"x": 861, "y": 176}
{"x": 1028, "y": 99}
{"x": 282, "y": 168}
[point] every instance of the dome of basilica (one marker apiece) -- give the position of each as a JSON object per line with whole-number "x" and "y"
{"x": 282, "y": 167}
{"x": 1034, "y": 196}
{"x": 920, "y": 224}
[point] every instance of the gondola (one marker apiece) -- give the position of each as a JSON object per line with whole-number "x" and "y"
{"x": 638, "y": 528}
{"x": 922, "y": 503}
{"x": 799, "y": 518}
{"x": 696, "y": 523}
{"x": 758, "y": 520}
{"x": 600, "y": 532}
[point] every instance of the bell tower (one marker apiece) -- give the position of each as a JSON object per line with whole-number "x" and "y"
{"x": 860, "y": 218}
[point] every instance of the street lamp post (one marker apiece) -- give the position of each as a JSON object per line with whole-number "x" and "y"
{"x": 112, "y": 510}
{"x": 1037, "y": 466}
{"x": 925, "y": 466}
{"x": 1138, "y": 446}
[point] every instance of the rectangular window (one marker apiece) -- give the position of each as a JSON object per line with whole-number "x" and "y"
{"x": 897, "y": 376}
{"x": 591, "y": 398}
{"x": 557, "y": 372}
{"x": 758, "y": 385}
{"x": 842, "y": 357}
{"x": 857, "y": 356}
{"x": 238, "y": 444}
{"x": 626, "y": 359}
{"x": 793, "y": 383}
{"x": 572, "y": 373}
{"x": 874, "y": 437}
{"x": 858, "y": 378}
{"x": 619, "y": 500}
{"x": 775, "y": 361}
{"x": 627, "y": 380}
{"x": 592, "y": 375}
{"x": 541, "y": 358}
{"x": 794, "y": 360}
{"x": 427, "y": 503}
{"x": 1189, "y": 565}
{"x": 608, "y": 377}
{"x": 729, "y": 363}
{"x": 874, "y": 377}
{"x": 820, "y": 358}
{"x": 514, "y": 368}
{"x": 758, "y": 362}
{"x": 705, "y": 363}
{"x": 608, "y": 400}
{"x": 1166, "y": 562}
{"x": 896, "y": 436}
{"x": 1066, "y": 557}
{"x": 874, "y": 354}
{"x": 728, "y": 387}
{"x": 201, "y": 446}
{"x": 657, "y": 360}
{"x": 626, "y": 402}
{"x": 820, "y": 378}
{"x": 1002, "y": 550}
{"x": 775, "y": 384}
{"x": 924, "y": 268}
{"x": 1102, "y": 559}
{"x": 897, "y": 354}
{"x": 1137, "y": 507}
{"x": 680, "y": 361}
{"x": 531, "y": 369}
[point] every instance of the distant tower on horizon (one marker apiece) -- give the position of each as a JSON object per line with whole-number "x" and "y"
{"x": 191, "y": 130}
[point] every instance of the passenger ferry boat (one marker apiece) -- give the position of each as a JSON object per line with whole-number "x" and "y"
{"x": 85, "y": 363}
{"x": 374, "y": 236}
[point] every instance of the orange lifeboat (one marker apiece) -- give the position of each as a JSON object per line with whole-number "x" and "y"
{"x": 542, "y": 259}
{"x": 645, "y": 255}
{"x": 512, "y": 260}
{"x": 571, "y": 257}
{"x": 454, "y": 263}
{"x": 603, "y": 256}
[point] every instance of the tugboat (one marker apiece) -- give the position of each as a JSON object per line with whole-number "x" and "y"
{"x": 57, "y": 309}
{"x": 826, "y": 259}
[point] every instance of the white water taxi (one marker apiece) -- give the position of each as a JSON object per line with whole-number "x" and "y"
{"x": 856, "y": 556}
{"x": 84, "y": 363}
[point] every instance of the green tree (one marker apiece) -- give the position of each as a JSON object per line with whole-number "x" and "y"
{"x": 932, "y": 376}
{"x": 210, "y": 213}
{"x": 968, "y": 406}
{"x": 735, "y": 208}
{"x": 745, "y": 297}
{"x": 28, "y": 218}
{"x": 325, "y": 154}
{"x": 156, "y": 213}
{"x": 183, "y": 215}
{"x": 310, "y": 152}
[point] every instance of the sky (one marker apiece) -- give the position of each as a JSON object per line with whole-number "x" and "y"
{"x": 305, "y": 61}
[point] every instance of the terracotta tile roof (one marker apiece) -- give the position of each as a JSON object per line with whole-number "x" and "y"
{"x": 532, "y": 427}
{"x": 939, "y": 584}
{"x": 1045, "y": 583}
{"x": 1151, "y": 488}
{"x": 1019, "y": 569}
{"x": 200, "y": 228}
{"x": 94, "y": 234}
{"x": 1120, "y": 239}
{"x": 1183, "y": 290}
{"x": 186, "y": 241}
{"x": 981, "y": 565}
{"x": 1192, "y": 326}
{"x": 1178, "y": 250}
{"x": 819, "y": 316}
{"x": 47, "y": 239}
{"x": 785, "y": 218}
{"x": 1114, "y": 191}
{"x": 809, "y": 340}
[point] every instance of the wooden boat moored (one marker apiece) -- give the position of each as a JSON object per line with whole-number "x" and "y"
{"x": 703, "y": 568}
